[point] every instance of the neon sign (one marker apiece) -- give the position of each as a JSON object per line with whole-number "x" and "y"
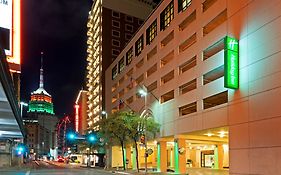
{"x": 231, "y": 63}
{"x": 76, "y": 118}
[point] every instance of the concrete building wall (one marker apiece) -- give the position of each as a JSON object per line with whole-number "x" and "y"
{"x": 252, "y": 112}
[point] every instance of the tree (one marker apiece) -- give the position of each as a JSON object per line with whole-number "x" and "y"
{"x": 136, "y": 129}
{"x": 115, "y": 127}
{"x": 125, "y": 125}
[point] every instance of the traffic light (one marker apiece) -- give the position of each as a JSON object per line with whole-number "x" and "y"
{"x": 71, "y": 136}
{"x": 142, "y": 139}
{"x": 20, "y": 150}
{"x": 92, "y": 138}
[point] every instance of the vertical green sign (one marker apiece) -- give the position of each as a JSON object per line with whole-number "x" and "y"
{"x": 231, "y": 63}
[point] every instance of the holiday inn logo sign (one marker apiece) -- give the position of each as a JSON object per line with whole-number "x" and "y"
{"x": 231, "y": 63}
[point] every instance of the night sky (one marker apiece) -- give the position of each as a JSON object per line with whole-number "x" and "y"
{"x": 58, "y": 28}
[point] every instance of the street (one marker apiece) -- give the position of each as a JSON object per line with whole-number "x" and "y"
{"x": 50, "y": 168}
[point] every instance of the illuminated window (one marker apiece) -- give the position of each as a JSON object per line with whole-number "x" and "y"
{"x": 166, "y": 16}
{"x": 151, "y": 32}
{"x": 114, "y": 72}
{"x": 183, "y": 4}
{"x": 121, "y": 64}
{"x": 139, "y": 46}
{"x": 129, "y": 56}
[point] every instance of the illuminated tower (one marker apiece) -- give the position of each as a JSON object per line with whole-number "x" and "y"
{"x": 41, "y": 100}
{"x": 110, "y": 26}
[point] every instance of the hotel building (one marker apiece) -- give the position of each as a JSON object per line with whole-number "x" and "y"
{"x": 211, "y": 70}
{"x": 111, "y": 24}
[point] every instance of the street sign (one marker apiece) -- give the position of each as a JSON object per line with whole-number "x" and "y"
{"x": 149, "y": 151}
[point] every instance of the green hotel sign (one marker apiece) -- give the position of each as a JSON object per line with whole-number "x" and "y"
{"x": 231, "y": 63}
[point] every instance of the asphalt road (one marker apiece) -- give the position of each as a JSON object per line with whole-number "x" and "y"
{"x": 45, "y": 168}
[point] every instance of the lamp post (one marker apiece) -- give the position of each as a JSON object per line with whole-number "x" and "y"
{"x": 22, "y": 104}
{"x": 104, "y": 113}
{"x": 143, "y": 93}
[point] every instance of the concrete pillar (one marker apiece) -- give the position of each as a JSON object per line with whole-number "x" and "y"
{"x": 162, "y": 156}
{"x": 180, "y": 157}
{"x": 128, "y": 157}
{"x": 220, "y": 156}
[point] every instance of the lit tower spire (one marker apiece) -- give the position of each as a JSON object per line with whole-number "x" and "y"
{"x": 41, "y": 100}
{"x": 41, "y": 83}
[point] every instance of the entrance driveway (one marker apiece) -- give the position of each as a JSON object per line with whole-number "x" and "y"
{"x": 206, "y": 171}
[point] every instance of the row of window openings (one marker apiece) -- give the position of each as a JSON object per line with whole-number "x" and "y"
{"x": 208, "y": 77}
{"x": 116, "y": 33}
{"x": 128, "y": 27}
{"x": 208, "y": 102}
{"x": 183, "y": 89}
{"x": 130, "y": 19}
{"x": 186, "y": 44}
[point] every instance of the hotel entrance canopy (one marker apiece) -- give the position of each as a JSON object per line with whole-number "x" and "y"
{"x": 11, "y": 125}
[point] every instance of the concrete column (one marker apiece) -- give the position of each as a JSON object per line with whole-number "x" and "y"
{"x": 128, "y": 157}
{"x": 180, "y": 157}
{"x": 162, "y": 156}
{"x": 220, "y": 156}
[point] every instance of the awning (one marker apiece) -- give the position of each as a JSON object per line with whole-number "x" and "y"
{"x": 11, "y": 125}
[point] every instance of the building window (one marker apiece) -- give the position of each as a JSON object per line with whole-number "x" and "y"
{"x": 167, "y": 16}
{"x": 121, "y": 64}
{"x": 116, "y": 33}
{"x": 128, "y": 36}
{"x": 115, "y": 43}
{"x": 129, "y": 28}
{"x": 215, "y": 100}
{"x": 129, "y": 56}
{"x": 151, "y": 32}
{"x": 114, "y": 72}
{"x": 115, "y": 14}
{"x": 129, "y": 19}
{"x": 167, "y": 97}
{"x": 188, "y": 109}
{"x": 140, "y": 22}
{"x": 115, "y": 52}
{"x": 139, "y": 46}
{"x": 116, "y": 24}
{"x": 213, "y": 75}
{"x": 183, "y": 4}
{"x": 189, "y": 86}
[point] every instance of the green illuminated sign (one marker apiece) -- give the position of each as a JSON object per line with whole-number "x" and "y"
{"x": 231, "y": 63}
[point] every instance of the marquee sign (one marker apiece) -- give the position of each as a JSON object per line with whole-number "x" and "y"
{"x": 6, "y": 13}
{"x": 231, "y": 63}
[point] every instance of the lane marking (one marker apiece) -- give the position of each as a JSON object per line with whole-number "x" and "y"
{"x": 27, "y": 173}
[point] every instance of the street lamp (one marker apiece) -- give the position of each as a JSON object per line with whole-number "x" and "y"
{"x": 22, "y": 104}
{"x": 143, "y": 93}
{"x": 104, "y": 113}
